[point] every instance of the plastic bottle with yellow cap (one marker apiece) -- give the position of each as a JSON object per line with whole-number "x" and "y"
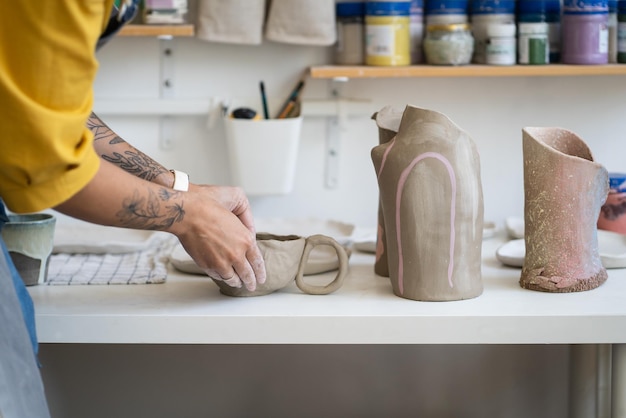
{"x": 388, "y": 36}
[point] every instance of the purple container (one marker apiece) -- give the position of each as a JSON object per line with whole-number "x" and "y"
{"x": 585, "y": 32}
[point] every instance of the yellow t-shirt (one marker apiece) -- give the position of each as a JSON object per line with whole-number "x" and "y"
{"x": 47, "y": 69}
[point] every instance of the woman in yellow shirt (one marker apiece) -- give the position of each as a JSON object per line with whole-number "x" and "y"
{"x": 54, "y": 153}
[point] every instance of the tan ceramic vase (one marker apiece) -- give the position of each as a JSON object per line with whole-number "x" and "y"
{"x": 388, "y": 122}
{"x": 564, "y": 189}
{"x": 432, "y": 200}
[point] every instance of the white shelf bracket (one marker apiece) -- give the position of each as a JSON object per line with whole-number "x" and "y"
{"x": 166, "y": 89}
{"x": 335, "y": 125}
{"x": 333, "y": 142}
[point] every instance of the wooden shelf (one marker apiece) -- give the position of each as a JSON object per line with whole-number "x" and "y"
{"x": 341, "y": 71}
{"x": 158, "y": 30}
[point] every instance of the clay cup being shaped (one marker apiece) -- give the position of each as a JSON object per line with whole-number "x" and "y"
{"x": 285, "y": 258}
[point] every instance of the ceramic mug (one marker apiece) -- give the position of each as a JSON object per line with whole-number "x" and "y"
{"x": 285, "y": 259}
{"x": 29, "y": 239}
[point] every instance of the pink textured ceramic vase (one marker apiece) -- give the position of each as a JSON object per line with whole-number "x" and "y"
{"x": 388, "y": 122}
{"x": 432, "y": 200}
{"x": 564, "y": 189}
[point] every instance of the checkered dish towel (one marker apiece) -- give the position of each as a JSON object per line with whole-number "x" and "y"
{"x": 136, "y": 263}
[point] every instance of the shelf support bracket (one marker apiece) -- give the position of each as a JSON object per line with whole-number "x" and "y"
{"x": 166, "y": 89}
{"x": 334, "y": 126}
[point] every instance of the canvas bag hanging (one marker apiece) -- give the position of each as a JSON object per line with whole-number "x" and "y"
{"x": 305, "y": 22}
{"x": 231, "y": 21}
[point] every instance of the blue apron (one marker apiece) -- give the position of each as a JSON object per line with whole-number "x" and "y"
{"x": 21, "y": 389}
{"x": 26, "y": 303}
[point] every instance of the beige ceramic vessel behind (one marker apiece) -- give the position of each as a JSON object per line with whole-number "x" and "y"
{"x": 388, "y": 122}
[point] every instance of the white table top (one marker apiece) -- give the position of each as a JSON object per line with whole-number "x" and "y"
{"x": 189, "y": 309}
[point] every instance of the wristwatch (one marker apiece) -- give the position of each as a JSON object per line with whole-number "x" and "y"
{"x": 181, "y": 180}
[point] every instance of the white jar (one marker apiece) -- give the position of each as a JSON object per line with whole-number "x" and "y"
{"x": 350, "y": 46}
{"x": 479, "y": 23}
{"x": 500, "y": 48}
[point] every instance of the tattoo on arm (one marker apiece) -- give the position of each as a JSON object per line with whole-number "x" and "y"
{"x": 131, "y": 160}
{"x": 101, "y": 131}
{"x": 152, "y": 212}
{"x": 136, "y": 163}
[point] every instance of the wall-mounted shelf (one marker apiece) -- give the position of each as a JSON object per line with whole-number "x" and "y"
{"x": 158, "y": 30}
{"x": 343, "y": 71}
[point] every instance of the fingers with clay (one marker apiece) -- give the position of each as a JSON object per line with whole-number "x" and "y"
{"x": 254, "y": 268}
{"x": 232, "y": 279}
{"x": 249, "y": 272}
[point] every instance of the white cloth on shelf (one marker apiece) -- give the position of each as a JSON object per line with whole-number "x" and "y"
{"x": 305, "y": 22}
{"x": 85, "y": 253}
{"x": 231, "y": 21}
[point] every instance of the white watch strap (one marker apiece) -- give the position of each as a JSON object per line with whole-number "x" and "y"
{"x": 181, "y": 180}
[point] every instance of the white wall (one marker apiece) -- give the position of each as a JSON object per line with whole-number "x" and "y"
{"x": 504, "y": 381}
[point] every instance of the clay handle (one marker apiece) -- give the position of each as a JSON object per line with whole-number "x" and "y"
{"x": 312, "y": 242}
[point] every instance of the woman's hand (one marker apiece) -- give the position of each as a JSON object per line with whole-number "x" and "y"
{"x": 217, "y": 230}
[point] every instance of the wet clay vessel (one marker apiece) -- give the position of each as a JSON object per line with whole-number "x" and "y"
{"x": 285, "y": 258}
{"x": 564, "y": 189}
{"x": 432, "y": 201}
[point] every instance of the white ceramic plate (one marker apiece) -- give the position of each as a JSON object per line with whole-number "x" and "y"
{"x": 366, "y": 246}
{"x": 183, "y": 261}
{"x": 87, "y": 238}
{"x": 321, "y": 259}
{"x": 512, "y": 253}
{"x": 612, "y": 247}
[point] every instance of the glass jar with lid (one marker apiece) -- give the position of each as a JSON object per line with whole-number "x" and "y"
{"x": 350, "y": 46}
{"x": 448, "y": 44}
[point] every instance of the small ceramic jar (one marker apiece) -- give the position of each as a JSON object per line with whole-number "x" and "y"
{"x": 613, "y": 212}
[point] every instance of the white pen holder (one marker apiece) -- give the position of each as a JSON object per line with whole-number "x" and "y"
{"x": 263, "y": 153}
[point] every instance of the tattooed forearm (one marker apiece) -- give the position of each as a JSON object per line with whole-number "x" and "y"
{"x": 101, "y": 131}
{"x": 154, "y": 212}
{"x": 123, "y": 154}
{"x": 137, "y": 163}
